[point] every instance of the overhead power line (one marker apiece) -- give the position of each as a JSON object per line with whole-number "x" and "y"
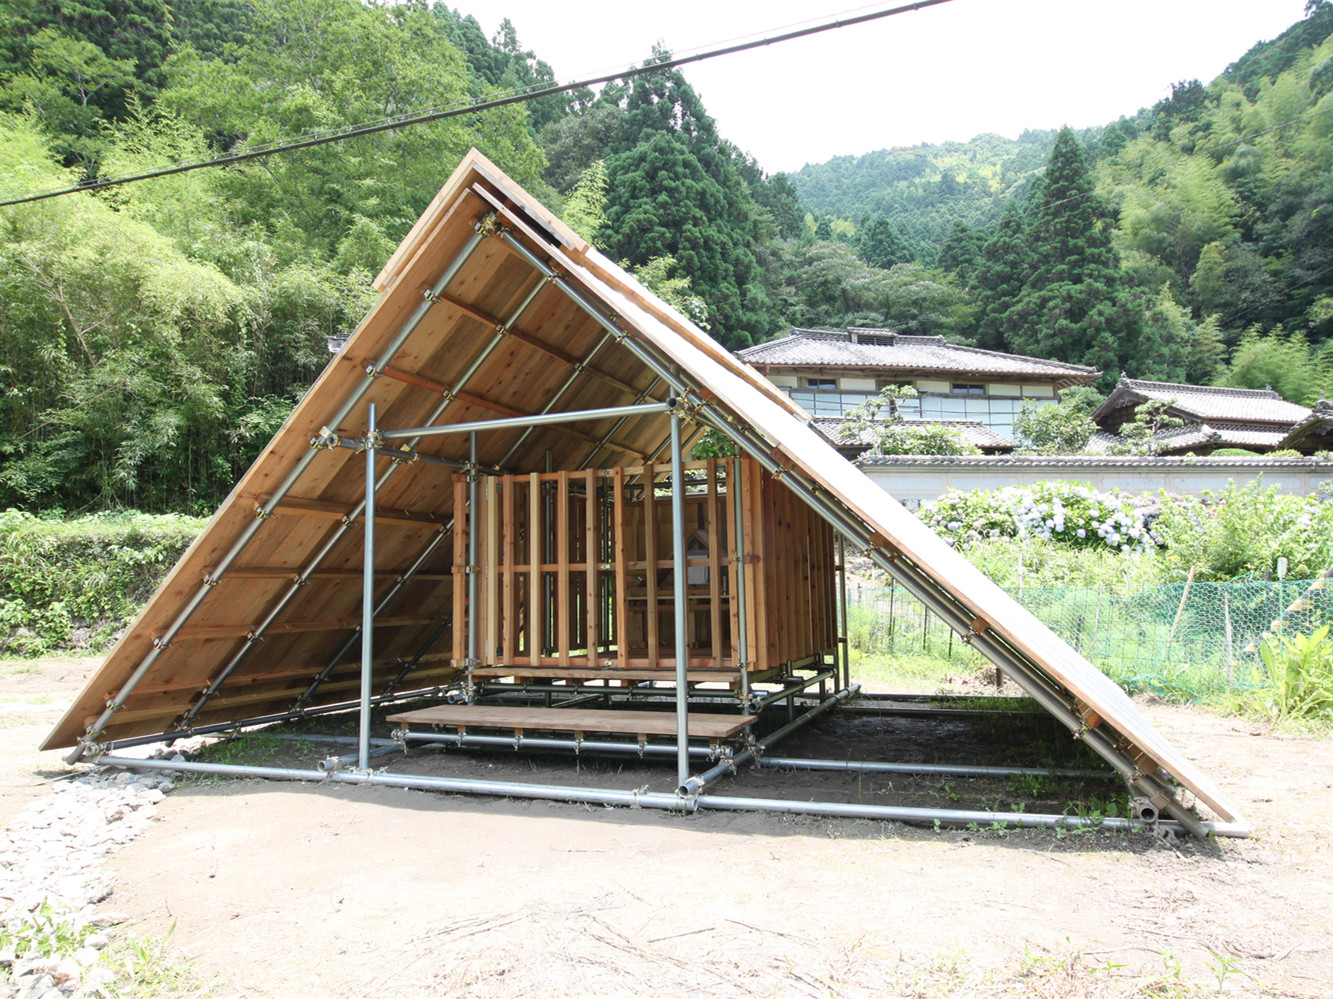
{"x": 462, "y": 107}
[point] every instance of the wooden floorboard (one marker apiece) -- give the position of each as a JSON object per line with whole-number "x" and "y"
{"x": 701, "y": 724}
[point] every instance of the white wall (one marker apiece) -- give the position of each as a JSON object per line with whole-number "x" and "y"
{"x": 914, "y": 481}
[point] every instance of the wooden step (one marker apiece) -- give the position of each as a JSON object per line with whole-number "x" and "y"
{"x": 577, "y": 720}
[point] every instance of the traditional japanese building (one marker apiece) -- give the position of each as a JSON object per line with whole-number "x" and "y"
{"x": 828, "y": 372}
{"x": 1212, "y": 417}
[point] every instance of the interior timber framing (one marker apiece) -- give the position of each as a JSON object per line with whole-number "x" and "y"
{"x": 506, "y": 349}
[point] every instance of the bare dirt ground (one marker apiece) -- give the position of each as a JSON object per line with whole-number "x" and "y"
{"x": 280, "y": 889}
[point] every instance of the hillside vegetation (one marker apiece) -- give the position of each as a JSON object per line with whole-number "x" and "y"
{"x": 154, "y": 335}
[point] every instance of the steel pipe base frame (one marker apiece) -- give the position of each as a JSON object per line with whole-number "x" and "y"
{"x": 673, "y": 802}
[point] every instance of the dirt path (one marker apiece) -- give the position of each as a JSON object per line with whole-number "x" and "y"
{"x": 288, "y": 889}
{"x": 33, "y": 695}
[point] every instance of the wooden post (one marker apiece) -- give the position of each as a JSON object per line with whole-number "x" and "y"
{"x": 714, "y": 565}
{"x": 510, "y": 631}
{"x": 650, "y": 557}
{"x": 1184, "y": 595}
{"x": 461, "y": 516}
{"x": 536, "y": 613}
{"x": 591, "y": 555}
{"x": 1226, "y": 628}
{"x": 622, "y": 581}
{"x": 491, "y": 579}
{"x": 563, "y": 618}
{"x": 733, "y": 570}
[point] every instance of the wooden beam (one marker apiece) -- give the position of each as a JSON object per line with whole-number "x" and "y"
{"x": 277, "y": 572}
{"x": 203, "y": 631}
{"x": 340, "y": 511}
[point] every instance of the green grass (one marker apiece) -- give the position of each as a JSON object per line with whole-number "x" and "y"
{"x": 145, "y": 970}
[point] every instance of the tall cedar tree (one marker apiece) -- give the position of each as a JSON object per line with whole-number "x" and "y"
{"x": 674, "y": 190}
{"x": 998, "y": 278}
{"x": 1074, "y": 306}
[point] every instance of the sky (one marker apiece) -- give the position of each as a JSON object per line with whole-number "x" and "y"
{"x": 948, "y": 72}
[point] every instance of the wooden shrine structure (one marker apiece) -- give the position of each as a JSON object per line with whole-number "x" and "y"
{"x": 490, "y": 483}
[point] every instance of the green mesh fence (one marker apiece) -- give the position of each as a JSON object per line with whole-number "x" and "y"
{"x": 1180, "y": 640}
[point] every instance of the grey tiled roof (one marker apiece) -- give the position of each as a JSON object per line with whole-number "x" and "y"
{"x": 886, "y": 350}
{"x": 1197, "y": 435}
{"x": 1208, "y": 403}
{"x": 974, "y": 432}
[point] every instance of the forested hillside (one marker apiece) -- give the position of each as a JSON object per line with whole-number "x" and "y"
{"x": 153, "y": 335}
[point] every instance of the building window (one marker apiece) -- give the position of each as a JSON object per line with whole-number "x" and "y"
{"x": 820, "y": 383}
{"x": 962, "y": 388}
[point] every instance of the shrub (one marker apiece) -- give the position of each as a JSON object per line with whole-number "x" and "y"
{"x": 1067, "y": 512}
{"x": 1296, "y": 678}
{"x": 1243, "y": 531}
{"x": 72, "y": 583}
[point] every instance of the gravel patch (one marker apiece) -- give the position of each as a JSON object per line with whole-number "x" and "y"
{"x": 52, "y": 879}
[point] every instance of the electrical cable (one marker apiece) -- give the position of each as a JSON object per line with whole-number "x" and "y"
{"x": 463, "y": 107}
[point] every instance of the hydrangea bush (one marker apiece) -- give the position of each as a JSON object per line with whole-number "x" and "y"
{"x": 1067, "y": 512}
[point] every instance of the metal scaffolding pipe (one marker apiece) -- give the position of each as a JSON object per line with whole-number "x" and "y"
{"x": 537, "y": 420}
{"x": 679, "y": 576}
{"x": 606, "y": 438}
{"x": 695, "y": 785}
{"x": 367, "y": 594}
{"x": 954, "y": 816}
{"x": 803, "y": 683}
{"x": 928, "y": 769}
{"x": 404, "y": 455}
{"x": 842, "y": 613}
{"x": 670, "y": 802}
{"x": 361, "y": 758}
{"x": 270, "y": 719}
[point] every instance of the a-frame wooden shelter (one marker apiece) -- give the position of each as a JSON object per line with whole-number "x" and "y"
{"x": 516, "y": 409}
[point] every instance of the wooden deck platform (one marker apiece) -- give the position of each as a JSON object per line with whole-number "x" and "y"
{"x": 702, "y": 725}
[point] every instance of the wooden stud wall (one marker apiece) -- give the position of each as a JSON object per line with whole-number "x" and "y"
{"x": 576, "y": 578}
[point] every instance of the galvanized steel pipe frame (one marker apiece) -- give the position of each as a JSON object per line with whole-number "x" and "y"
{"x": 928, "y": 769}
{"x": 667, "y": 801}
{"x": 367, "y": 594}
{"x": 696, "y": 785}
{"x": 538, "y": 420}
{"x": 1027, "y": 674}
{"x": 258, "y": 721}
{"x": 679, "y": 577}
{"x": 266, "y": 510}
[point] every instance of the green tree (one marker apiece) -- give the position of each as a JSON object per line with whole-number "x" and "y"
{"x": 879, "y": 243}
{"x": 675, "y": 190}
{"x": 1064, "y": 427}
{"x": 892, "y": 434}
{"x": 962, "y": 251}
{"x": 1074, "y": 306}
{"x": 1000, "y": 274}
